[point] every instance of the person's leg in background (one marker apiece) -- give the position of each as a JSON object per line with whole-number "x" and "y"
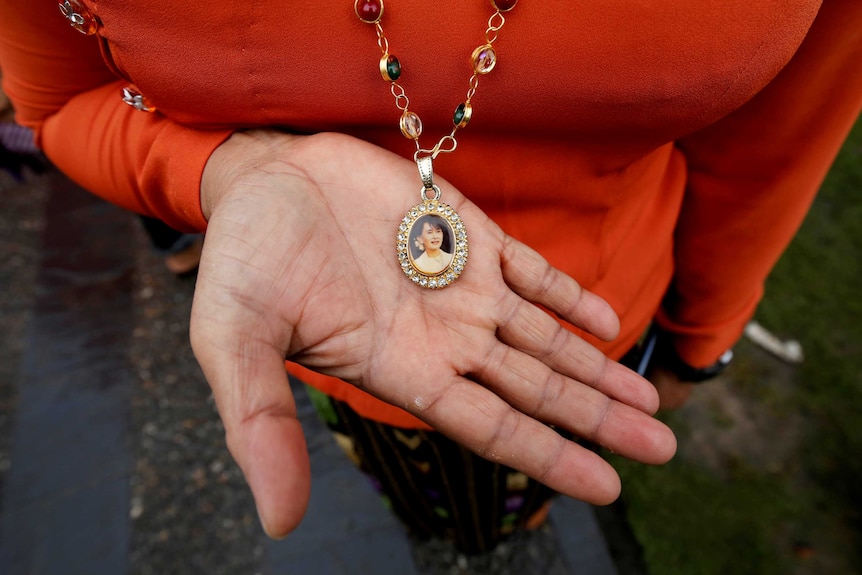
{"x": 437, "y": 488}
{"x": 181, "y": 252}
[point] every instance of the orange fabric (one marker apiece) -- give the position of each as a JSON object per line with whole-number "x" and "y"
{"x": 636, "y": 145}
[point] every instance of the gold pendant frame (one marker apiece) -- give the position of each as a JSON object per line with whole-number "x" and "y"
{"x": 432, "y": 273}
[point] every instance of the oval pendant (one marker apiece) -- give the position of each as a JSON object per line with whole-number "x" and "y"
{"x": 432, "y": 244}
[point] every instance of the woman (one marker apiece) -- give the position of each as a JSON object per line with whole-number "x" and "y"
{"x": 432, "y": 241}
{"x": 638, "y": 149}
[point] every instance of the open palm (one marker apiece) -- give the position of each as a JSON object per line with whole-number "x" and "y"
{"x": 299, "y": 263}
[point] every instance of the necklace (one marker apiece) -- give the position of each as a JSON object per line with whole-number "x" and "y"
{"x": 431, "y": 214}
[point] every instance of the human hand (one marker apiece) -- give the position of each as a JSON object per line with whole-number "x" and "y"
{"x": 299, "y": 263}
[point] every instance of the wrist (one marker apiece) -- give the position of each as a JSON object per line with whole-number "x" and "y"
{"x": 667, "y": 357}
{"x": 241, "y": 152}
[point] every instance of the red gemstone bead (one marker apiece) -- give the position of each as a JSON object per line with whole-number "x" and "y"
{"x": 369, "y": 11}
{"x": 504, "y": 5}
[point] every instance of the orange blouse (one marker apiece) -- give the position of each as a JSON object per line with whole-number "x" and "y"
{"x": 646, "y": 148}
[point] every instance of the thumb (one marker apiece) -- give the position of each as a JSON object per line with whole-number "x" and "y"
{"x": 269, "y": 447}
{"x": 264, "y": 436}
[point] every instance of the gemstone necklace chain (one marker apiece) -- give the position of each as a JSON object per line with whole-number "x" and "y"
{"x": 483, "y": 59}
{"x": 432, "y": 239}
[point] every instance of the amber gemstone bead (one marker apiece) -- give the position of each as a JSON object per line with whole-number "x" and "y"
{"x": 369, "y": 11}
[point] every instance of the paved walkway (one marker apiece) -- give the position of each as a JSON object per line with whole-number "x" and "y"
{"x": 112, "y": 457}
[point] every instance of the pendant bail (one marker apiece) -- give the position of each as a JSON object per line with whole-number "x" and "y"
{"x": 426, "y": 171}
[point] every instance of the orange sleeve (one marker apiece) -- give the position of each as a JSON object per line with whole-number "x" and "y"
{"x": 63, "y": 90}
{"x": 752, "y": 178}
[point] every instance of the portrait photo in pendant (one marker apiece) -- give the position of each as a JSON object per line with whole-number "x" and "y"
{"x": 431, "y": 244}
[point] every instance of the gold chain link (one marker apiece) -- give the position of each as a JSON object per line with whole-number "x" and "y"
{"x": 402, "y": 102}
{"x": 494, "y": 27}
{"x": 447, "y": 143}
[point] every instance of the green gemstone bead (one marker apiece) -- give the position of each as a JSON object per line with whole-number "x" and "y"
{"x": 393, "y": 68}
{"x": 459, "y": 113}
{"x": 462, "y": 114}
{"x": 390, "y": 68}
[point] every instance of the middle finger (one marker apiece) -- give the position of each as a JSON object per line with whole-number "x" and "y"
{"x": 533, "y": 331}
{"x": 536, "y": 390}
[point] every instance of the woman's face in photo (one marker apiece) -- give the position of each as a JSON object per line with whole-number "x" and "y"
{"x": 431, "y": 237}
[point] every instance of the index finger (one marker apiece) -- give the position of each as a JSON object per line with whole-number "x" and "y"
{"x": 530, "y": 276}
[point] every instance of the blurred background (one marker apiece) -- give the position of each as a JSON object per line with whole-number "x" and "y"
{"x": 112, "y": 457}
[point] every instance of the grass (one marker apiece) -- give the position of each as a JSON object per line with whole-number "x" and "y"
{"x": 783, "y": 493}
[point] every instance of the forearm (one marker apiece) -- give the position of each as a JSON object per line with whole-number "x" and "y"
{"x": 63, "y": 90}
{"x": 143, "y": 162}
{"x": 752, "y": 177}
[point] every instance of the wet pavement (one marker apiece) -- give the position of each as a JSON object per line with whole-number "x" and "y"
{"x": 112, "y": 457}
